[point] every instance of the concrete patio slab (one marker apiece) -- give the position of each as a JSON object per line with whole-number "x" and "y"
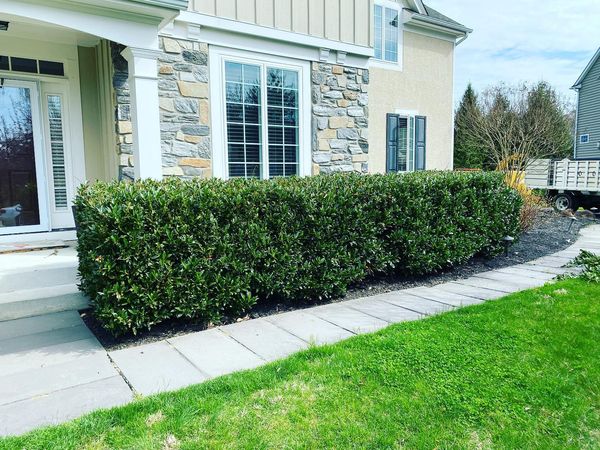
{"x": 350, "y": 319}
{"x": 139, "y": 366}
{"x": 309, "y": 328}
{"x": 214, "y": 353}
{"x": 265, "y": 339}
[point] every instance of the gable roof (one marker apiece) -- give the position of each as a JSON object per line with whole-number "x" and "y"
{"x": 587, "y": 69}
{"x": 427, "y": 17}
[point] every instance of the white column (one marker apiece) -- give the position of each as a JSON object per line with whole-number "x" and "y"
{"x": 145, "y": 119}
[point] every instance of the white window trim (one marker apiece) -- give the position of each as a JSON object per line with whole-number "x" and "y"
{"x": 382, "y": 63}
{"x": 217, "y": 57}
{"x": 409, "y": 114}
{"x": 586, "y": 135}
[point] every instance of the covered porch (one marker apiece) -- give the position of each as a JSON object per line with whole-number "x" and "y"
{"x": 59, "y": 124}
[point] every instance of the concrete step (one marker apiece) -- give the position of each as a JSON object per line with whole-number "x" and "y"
{"x": 41, "y": 300}
{"x": 37, "y": 277}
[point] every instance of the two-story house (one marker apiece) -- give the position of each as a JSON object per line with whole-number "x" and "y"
{"x": 124, "y": 89}
{"x": 587, "y": 126}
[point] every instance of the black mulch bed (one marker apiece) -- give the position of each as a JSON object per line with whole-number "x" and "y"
{"x": 551, "y": 234}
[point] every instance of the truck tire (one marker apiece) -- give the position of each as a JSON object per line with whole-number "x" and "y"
{"x": 565, "y": 201}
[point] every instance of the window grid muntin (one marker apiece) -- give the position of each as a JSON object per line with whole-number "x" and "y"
{"x": 387, "y": 36}
{"x": 291, "y": 120}
{"x": 248, "y": 99}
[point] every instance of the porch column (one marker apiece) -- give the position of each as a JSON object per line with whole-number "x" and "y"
{"x": 143, "y": 87}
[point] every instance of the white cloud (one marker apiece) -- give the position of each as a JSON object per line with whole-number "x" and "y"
{"x": 528, "y": 40}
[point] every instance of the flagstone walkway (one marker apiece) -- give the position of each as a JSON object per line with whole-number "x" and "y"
{"x": 53, "y": 369}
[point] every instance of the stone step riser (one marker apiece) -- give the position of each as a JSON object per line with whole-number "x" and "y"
{"x": 22, "y": 308}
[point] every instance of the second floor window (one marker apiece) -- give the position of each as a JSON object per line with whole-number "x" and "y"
{"x": 387, "y": 29}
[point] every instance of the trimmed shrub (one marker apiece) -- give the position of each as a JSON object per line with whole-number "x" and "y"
{"x": 151, "y": 251}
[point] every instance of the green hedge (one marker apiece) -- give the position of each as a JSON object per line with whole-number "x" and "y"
{"x": 151, "y": 251}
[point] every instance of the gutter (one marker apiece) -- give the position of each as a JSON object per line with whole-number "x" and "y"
{"x": 458, "y": 31}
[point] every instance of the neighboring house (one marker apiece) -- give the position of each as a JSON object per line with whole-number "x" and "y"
{"x": 587, "y": 123}
{"x": 124, "y": 89}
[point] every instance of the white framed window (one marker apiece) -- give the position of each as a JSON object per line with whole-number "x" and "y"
{"x": 388, "y": 32}
{"x": 584, "y": 138}
{"x": 406, "y": 136}
{"x": 261, "y": 115}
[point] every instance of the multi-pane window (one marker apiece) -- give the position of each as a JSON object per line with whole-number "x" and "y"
{"x": 262, "y": 130}
{"x": 244, "y": 119}
{"x": 406, "y": 139}
{"x": 387, "y": 31}
{"x": 282, "y": 101}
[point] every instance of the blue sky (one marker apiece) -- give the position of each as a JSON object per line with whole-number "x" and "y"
{"x": 527, "y": 40}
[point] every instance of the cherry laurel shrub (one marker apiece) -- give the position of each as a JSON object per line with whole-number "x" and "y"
{"x": 152, "y": 251}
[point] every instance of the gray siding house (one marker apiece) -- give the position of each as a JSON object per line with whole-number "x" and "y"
{"x": 587, "y": 127}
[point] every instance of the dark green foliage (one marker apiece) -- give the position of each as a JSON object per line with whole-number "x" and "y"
{"x": 591, "y": 266}
{"x": 151, "y": 251}
{"x": 469, "y": 153}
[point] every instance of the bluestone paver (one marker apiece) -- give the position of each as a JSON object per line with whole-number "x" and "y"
{"x": 511, "y": 279}
{"x": 39, "y": 324}
{"x": 471, "y": 291}
{"x": 214, "y": 353}
{"x": 383, "y": 310}
{"x": 62, "y": 405}
{"x": 528, "y": 273}
{"x": 45, "y": 339}
{"x": 41, "y": 357}
{"x": 477, "y": 282}
{"x": 309, "y": 327}
{"x": 139, "y": 366}
{"x": 31, "y": 383}
{"x": 417, "y": 304}
{"x": 436, "y": 293}
{"x": 350, "y": 319}
{"x": 265, "y": 339}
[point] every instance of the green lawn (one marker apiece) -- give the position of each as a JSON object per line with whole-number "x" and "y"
{"x": 521, "y": 372}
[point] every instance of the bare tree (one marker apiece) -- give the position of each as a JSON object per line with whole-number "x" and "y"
{"x": 518, "y": 124}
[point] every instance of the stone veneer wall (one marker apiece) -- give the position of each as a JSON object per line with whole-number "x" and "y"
{"x": 184, "y": 109}
{"x": 340, "y": 99}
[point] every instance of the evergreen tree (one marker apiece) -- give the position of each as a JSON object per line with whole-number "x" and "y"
{"x": 468, "y": 151}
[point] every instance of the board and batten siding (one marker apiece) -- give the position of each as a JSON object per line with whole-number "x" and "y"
{"x": 588, "y": 115}
{"x": 338, "y": 20}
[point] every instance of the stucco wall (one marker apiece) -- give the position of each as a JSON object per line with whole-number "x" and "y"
{"x": 425, "y": 85}
{"x": 340, "y": 20}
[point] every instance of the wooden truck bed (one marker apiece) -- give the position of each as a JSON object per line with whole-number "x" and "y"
{"x": 564, "y": 176}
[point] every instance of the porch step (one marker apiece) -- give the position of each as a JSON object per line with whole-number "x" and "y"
{"x": 41, "y": 300}
{"x": 39, "y": 282}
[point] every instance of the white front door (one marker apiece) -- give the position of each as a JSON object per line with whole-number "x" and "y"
{"x": 23, "y": 174}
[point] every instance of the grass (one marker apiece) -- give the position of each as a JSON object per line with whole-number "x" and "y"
{"x": 521, "y": 372}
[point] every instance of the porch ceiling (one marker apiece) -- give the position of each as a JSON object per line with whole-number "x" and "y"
{"x": 129, "y": 22}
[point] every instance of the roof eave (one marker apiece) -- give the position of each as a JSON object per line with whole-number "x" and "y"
{"x": 438, "y": 25}
{"x": 587, "y": 69}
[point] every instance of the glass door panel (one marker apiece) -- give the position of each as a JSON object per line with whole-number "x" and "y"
{"x": 21, "y": 205}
